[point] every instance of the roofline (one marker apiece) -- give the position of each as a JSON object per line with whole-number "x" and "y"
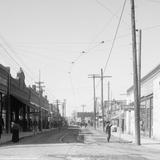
{"x": 152, "y": 72}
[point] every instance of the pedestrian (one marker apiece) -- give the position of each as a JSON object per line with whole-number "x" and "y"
{"x": 35, "y": 125}
{"x": 1, "y": 126}
{"x": 108, "y": 130}
{"x": 15, "y": 132}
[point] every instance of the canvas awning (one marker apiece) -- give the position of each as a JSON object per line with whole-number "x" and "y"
{"x": 119, "y": 116}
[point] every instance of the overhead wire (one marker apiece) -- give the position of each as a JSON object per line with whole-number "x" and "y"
{"x": 114, "y": 39}
{"x": 9, "y": 61}
{"x": 13, "y": 59}
{"x": 25, "y": 51}
{"x": 93, "y": 47}
{"x": 106, "y": 8}
{"x": 73, "y": 89}
{"x": 7, "y": 52}
{"x": 154, "y": 1}
{"x": 115, "y": 36}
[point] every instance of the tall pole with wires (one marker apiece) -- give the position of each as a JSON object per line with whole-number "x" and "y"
{"x": 102, "y": 104}
{"x": 40, "y": 89}
{"x": 94, "y": 96}
{"x": 139, "y": 64}
{"x": 135, "y": 76}
{"x": 102, "y": 98}
{"x": 108, "y": 101}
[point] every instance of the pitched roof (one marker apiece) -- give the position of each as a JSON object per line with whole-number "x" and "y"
{"x": 152, "y": 73}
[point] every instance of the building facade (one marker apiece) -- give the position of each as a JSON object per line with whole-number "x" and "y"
{"x": 149, "y": 105}
{"x": 20, "y": 103}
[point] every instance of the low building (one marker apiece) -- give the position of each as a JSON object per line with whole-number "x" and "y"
{"x": 150, "y": 105}
{"x": 20, "y": 103}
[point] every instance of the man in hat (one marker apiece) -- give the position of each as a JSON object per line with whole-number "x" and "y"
{"x": 108, "y": 130}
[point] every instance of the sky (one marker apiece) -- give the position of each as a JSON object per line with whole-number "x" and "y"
{"x": 66, "y": 40}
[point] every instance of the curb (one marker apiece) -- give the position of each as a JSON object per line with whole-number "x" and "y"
{"x": 25, "y": 136}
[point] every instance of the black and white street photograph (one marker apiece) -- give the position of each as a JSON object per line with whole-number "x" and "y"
{"x": 79, "y": 79}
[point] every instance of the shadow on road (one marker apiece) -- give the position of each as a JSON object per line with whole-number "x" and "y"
{"x": 63, "y": 135}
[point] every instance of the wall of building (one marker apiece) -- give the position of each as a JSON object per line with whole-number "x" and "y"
{"x": 156, "y": 108}
{"x": 129, "y": 122}
{"x": 4, "y": 71}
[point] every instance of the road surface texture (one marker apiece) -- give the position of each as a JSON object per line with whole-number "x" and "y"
{"x": 75, "y": 144}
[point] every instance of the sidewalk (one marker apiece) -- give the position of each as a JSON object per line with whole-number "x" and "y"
{"x": 145, "y": 141}
{"x": 7, "y": 137}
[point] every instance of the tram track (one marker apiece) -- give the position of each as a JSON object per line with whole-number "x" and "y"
{"x": 71, "y": 136}
{"x": 64, "y": 135}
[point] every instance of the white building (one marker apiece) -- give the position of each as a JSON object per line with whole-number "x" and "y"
{"x": 150, "y": 105}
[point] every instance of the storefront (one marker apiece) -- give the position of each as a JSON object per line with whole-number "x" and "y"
{"x": 149, "y": 104}
{"x": 4, "y": 80}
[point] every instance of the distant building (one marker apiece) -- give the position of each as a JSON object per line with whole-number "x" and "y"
{"x": 85, "y": 116}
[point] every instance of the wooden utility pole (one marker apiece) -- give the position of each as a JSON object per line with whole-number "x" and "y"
{"x": 135, "y": 76}
{"x": 102, "y": 105}
{"x": 64, "y": 109}
{"x": 83, "y": 106}
{"x": 97, "y": 113}
{"x": 40, "y": 90}
{"x": 101, "y": 77}
{"x": 108, "y": 99}
{"x": 57, "y": 105}
{"x": 139, "y": 65}
{"x": 8, "y": 111}
{"x": 94, "y": 96}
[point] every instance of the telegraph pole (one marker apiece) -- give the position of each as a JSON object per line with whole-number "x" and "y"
{"x": 40, "y": 89}
{"x": 97, "y": 112}
{"x": 102, "y": 98}
{"x": 102, "y": 105}
{"x": 94, "y": 96}
{"x": 64, "y": 109}
{"x": 139, "y": 64}
{"x": 83, "y": 106}
{"x": 57, "y": 105}
{"x": 8, "y": 111}
{"x": 135, "y": 76}
{"x": 108, "y": 98}
{"x": 101, "y": 77}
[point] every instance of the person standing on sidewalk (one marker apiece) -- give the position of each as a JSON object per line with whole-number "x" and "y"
{"x": 108, "y": 130}
{"x": 1, "y": 126}
{"x": 35, "y": 126}
{"x": 15, "y": 131}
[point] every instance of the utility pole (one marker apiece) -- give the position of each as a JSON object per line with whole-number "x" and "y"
{"x": 94, "y": 96}
{"x": 139, "y": 64}
{"x": 135, "y": 76}
{"x": 64, "y": 109}
{"x": 57, "y": 105}
{"x": 40, "y": 91}
{"x": 8, "y": 111}
{"x": 83, "y": 106}
{"x": 97, "y": 112}
{"x": 108, "y": 99}
{"x": 102, "y": 98}
{"x": 102, "y": 105}
{"x": 101, "y": 77}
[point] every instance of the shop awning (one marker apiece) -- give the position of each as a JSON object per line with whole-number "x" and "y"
{"x": 24, "y": 101}
{"x": 119, "y": 116}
